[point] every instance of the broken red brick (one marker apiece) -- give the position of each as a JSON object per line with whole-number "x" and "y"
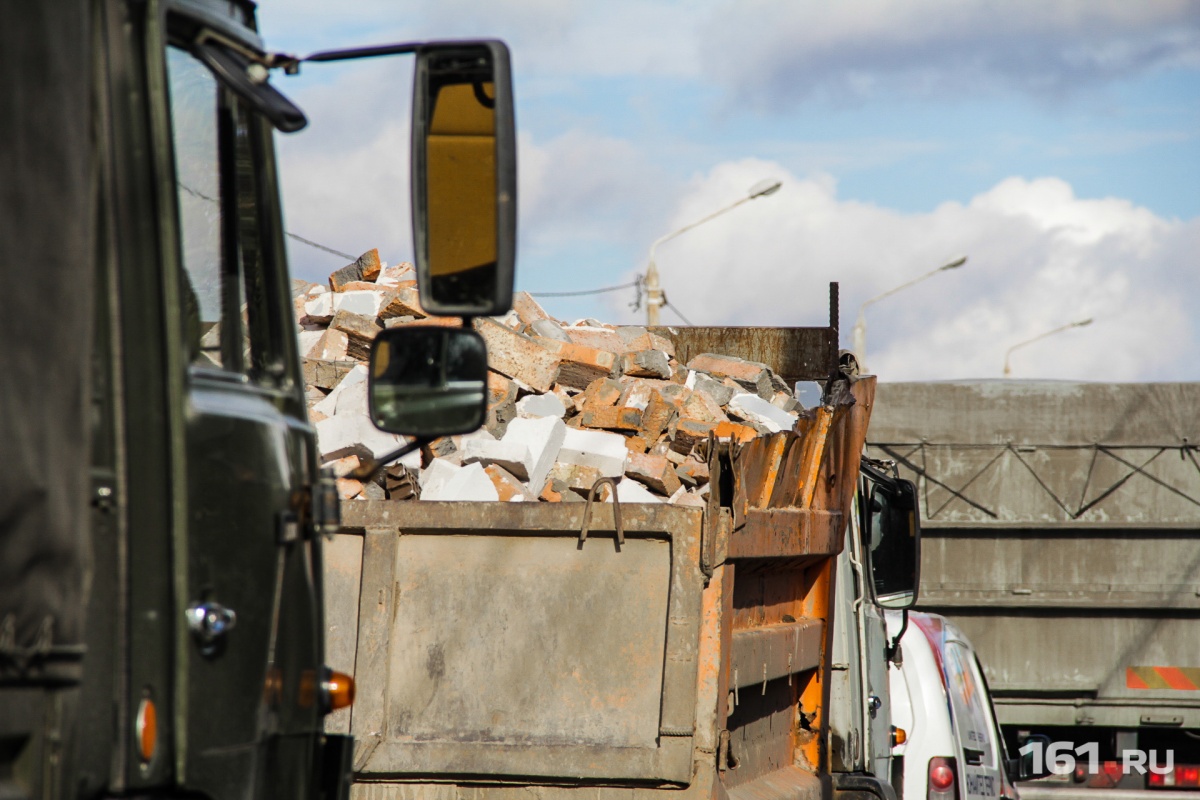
{"x": 366, "y": 268}
{"x": 612, "y": 418}
{"x": 656, "y": 472}
{"x": 507, "y": 485}
{"x": 518, "y": 356}
{"x": 401, "y": 302}
{"x": 579, "y": 365}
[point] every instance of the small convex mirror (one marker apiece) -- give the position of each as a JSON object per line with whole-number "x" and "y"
{"x": 428, "y": 381}
{"x": 892, "y": 536}
{"x": 464, "y": 178}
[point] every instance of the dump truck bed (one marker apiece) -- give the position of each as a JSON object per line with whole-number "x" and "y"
{"x": 497, "y": 649}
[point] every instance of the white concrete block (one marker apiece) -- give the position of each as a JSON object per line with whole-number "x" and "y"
{"x": 513, "y": 456}
{"x": 352, "y": 400}
{"x": 600, "y": 449}
{"x": 438, "y": 472}
{"x": 541, "y": 405}
{"x": 331, "y": 346}
{"x": 328, "y": 406}
{"x": 355, "y": 433}
{"x": 543, "y": 437}
{"x": 754, "y": 408}
{"x": 307, "y": 341}
{"x": 470, "y": 483}
{"x": 337, "y": 437}
{"x": 320, "y": 306}
{"x": 630, "y": 491}
{"x": 360, "y": 301}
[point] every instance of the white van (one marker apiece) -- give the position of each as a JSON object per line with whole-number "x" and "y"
{"x": 950, "y": 748}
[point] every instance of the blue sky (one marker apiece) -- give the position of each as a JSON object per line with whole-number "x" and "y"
{"x": 1057, "y": 145}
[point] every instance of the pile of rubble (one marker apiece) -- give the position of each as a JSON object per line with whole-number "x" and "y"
{"x": 567, "y": 404}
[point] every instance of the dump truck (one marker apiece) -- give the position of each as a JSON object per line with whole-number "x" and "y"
{"x": 1060, "y": 524}
{"x": 161, "y": 502}
{"x": 613, "y": 649}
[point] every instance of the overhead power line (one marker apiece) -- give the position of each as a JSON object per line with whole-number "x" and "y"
{"x": 582, "y": 292}
{"x": 321, "y": 246}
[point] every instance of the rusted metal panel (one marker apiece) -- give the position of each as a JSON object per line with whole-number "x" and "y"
{"x": 776, "y": 651}
{"x": 796, "y": 354}
{"x": 530, "y": 654}
{"x": 787, "y": 533}
{"x": 789, "y": 783}
{"x": 515, "y": 653}
{"x": 760, "y": 729}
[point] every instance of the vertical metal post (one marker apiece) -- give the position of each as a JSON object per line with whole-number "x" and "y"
{"x": 833, "y": 323}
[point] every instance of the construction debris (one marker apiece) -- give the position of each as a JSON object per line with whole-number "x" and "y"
{"x": 568, "y": 404}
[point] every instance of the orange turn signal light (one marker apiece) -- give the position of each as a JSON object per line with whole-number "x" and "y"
{"x": 339, "y": 689}
{"x": 899, "y": 736}
{"x": 147, "y": 729}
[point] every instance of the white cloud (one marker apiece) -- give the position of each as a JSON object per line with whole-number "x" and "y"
{"x": 769, "y": 53}
{"x": 1039, "y": 257}
{"x": 583, "y": 186}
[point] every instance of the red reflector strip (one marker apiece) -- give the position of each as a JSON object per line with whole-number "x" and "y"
{"x": 1185, "y": 679}
{"x": 1184, "y": 776}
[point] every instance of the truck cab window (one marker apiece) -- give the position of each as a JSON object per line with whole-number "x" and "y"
{"x": 224, "y": 288}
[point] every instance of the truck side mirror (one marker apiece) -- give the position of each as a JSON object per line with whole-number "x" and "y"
{"x": 428, "y": 381}
{"x": 892, "y": 538}
{"x": 464, "y": 178}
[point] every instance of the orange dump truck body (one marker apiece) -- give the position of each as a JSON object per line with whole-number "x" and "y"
{"x": 500, "y": 654}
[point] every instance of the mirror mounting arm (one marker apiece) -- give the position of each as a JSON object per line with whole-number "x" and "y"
{"x": 371, "y": 467}
{"x": 894, "y": 653}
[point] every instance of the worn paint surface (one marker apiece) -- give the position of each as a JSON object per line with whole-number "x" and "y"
{"x": 518, "y": 640}
{"x": 797, "y": 354}
{"x": 492, "y": 647}
{"x": 1059, "y": 525}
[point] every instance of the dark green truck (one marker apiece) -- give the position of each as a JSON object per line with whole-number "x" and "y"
{"x": 161, "y": 502}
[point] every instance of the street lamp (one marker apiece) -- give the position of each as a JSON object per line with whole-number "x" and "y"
{"x": 1079, "y": 324}
{"x": 860, "y": 326}
{"x": 655, "y": 298}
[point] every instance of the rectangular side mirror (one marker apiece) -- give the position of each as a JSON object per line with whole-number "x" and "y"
{"x": 464, "y": 178}
{"x": 428, "y": 381}
{"x": 891, "y": 530}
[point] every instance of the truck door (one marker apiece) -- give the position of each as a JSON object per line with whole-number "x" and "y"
{"x": 872, "y": 633}
{"x": 873, "y": 630}
{"x": 249, "y": 658}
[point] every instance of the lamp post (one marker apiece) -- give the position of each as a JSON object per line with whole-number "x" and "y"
{"x": 1078, "y": 324}
{"x": 860, "y": 326}
{"x": 655, "y": 298}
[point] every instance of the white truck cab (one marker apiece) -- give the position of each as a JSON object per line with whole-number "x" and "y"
{"x": 951, "y": 748}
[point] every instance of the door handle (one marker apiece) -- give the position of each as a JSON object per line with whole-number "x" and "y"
{"x": 210, "y": 622}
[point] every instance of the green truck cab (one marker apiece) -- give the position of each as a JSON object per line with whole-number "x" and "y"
{"x": 162, "y": 505}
